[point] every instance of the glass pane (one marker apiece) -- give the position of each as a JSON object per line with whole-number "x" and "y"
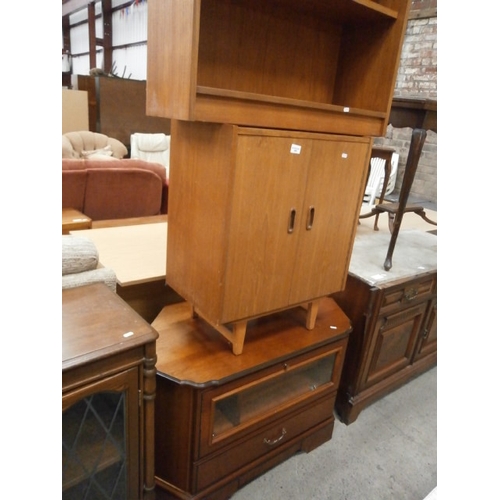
{"x": 94, "y": 464}
{"x": 255, "y": 401}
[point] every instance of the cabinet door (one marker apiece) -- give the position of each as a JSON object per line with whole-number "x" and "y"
{"x": 233, "y": 410}
{"x": 393, "y": 343}
{"x": 428, "y": 342}
{"x": 266, "y": 215}
{"x": 100, "y": 440}
{"x": 331, "y": 208}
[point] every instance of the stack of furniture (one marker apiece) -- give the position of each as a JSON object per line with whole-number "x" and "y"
{"x": 273, "y": 104}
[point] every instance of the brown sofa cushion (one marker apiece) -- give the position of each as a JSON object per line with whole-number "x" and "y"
{"x": 116, "y": 189}
{"x": 133, "y": 193}
{"x": 73, "y": 189}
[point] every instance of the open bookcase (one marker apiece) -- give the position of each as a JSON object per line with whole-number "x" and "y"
{"x": 317, "y": 65}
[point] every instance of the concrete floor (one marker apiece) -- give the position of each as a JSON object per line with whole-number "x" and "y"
{"x": 388, "y": 453}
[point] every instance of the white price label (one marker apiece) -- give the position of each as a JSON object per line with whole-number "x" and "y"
{"x": 295, "y": 149}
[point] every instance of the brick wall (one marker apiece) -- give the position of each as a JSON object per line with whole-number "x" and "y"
{"x": 417, "y": 76}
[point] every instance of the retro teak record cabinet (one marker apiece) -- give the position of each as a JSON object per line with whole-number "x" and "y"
{"x": 274, "y": 103}
{"x": 261, "y": 220}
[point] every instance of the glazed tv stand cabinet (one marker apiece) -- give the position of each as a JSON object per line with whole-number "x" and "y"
{"x": 221, "y": 420}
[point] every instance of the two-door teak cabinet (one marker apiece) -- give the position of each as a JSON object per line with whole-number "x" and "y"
{"x": 259, "y": 219}
{"x": 222, "y": 420}
{"x": 108, "y": 390}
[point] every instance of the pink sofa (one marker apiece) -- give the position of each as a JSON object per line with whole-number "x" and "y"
{"x": 114, "y": 189}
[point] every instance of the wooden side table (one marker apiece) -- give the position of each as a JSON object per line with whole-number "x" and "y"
{"x": 108, "y": 391}
{"x": 421, "y": 115}
{"x": 72, "y": 219}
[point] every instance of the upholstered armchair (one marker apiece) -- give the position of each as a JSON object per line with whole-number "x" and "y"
{"x": 91, "y": 145}
{"x": 151, "y": 147}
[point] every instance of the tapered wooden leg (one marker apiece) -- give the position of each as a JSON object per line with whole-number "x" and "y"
{"x": 312, "y": 313}
{"x": 194, "y": 314}
{"x": 239, "y": 332}
{"x": 236, "y": 335}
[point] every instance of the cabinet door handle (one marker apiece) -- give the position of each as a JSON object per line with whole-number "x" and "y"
{"x": 291, "y": 220}
{"x": 310, "y": 218}
{"x": 271, "y": 442}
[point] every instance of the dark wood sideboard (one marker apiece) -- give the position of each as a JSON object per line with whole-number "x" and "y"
{"x": 394, "y": 319}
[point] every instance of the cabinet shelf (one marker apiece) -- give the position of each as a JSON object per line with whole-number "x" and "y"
{"x": 248, "y": 62}
{"x": 283, "y": 101}
{"x": 354, "y": 11}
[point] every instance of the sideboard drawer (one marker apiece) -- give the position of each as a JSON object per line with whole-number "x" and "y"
{"x": 264, "y": 441}
{"x": 407, "y": 294}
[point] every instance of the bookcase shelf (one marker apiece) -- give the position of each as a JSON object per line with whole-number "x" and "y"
{"x": 319, "y": 66}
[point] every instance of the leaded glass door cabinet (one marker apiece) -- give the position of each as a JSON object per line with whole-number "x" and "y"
{"x": 108, "y": 390}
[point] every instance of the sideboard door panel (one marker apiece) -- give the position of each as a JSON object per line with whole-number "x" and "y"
{"x": 394, "y": 342}
{"x": 428, "y": 344}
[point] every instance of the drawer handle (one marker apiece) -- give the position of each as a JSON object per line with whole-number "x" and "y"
{"x": 410, "y": 294}
{"x": 272, "y": 442}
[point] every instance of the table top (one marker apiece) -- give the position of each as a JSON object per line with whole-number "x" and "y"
{"x": 137, "y": 253}
{"x": 415, "y": 254}
{"x": 73, "y": 219}
{"x": 190, "y": 351}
